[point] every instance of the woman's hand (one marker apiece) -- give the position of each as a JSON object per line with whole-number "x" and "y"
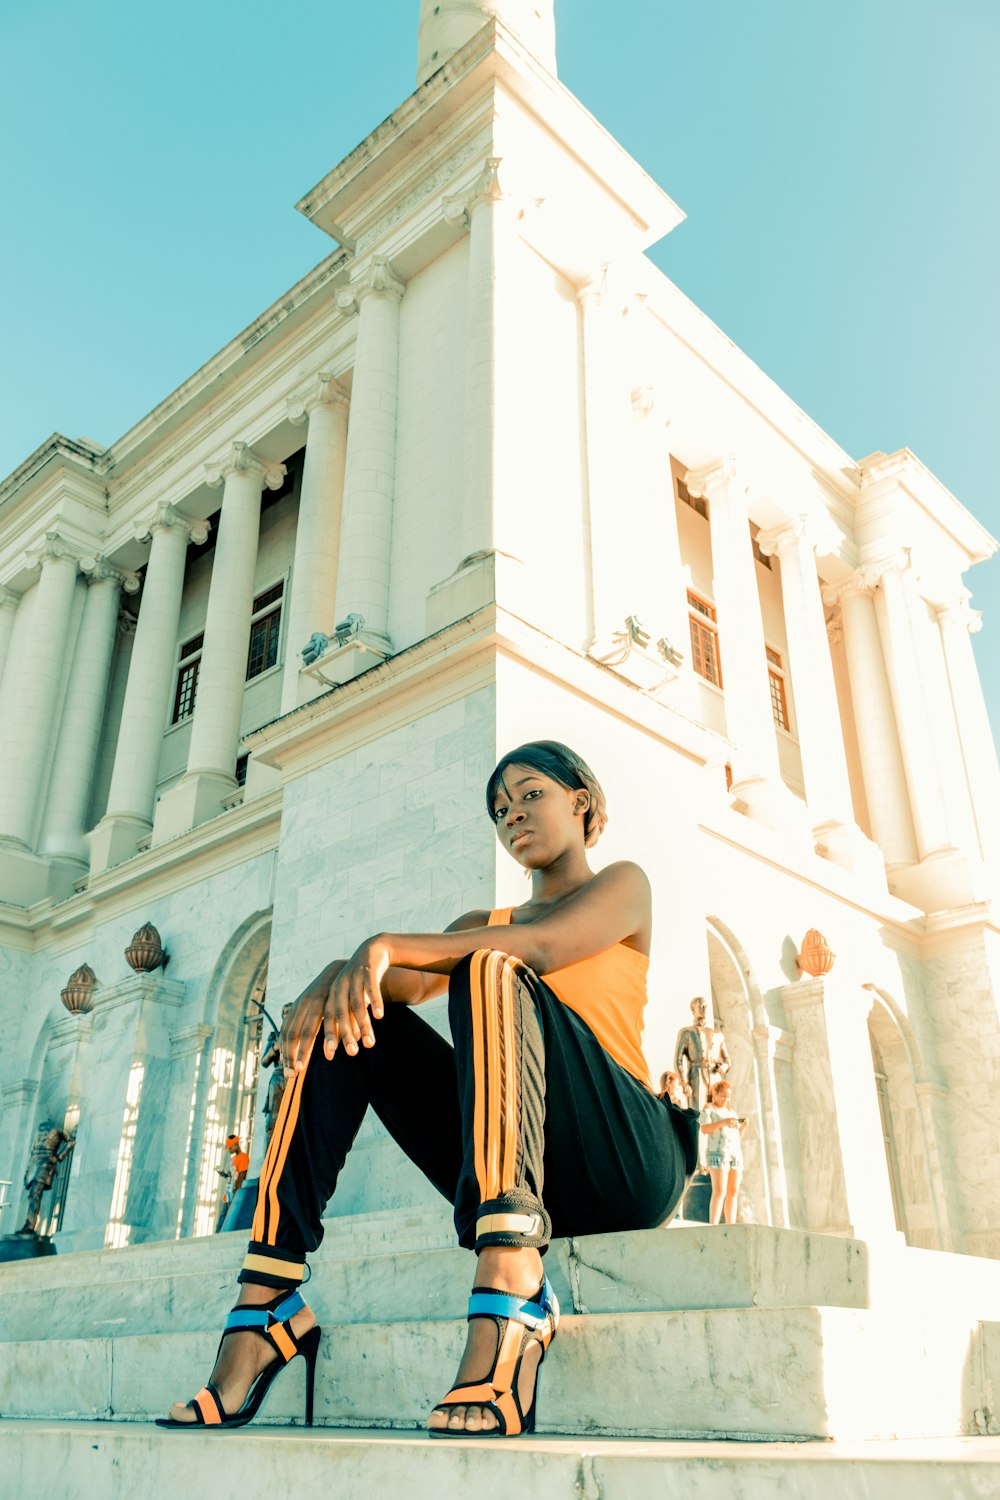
{"x": 356, "y": 991}
{"x": 299, "y": 1028}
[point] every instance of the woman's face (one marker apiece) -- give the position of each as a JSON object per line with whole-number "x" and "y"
{"x": 536, "y": 818}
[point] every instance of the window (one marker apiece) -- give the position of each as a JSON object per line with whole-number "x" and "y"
{"x": 684, "y": 494}
{"x": 242, "y": 761}
{"x": 704, "y": 639}
{"x": 265, "y": 630}
{"x": 776, "y": 679}
{"x": 189, "y": 658}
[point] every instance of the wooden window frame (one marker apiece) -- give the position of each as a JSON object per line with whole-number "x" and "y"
{"x": 776, "y": 680}
{"x": 702, "y": 623}
{"x": 268, "y": 607}
{"x": 188, "y": 672}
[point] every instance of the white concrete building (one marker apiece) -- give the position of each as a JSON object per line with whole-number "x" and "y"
{"x": 561, "y": 503}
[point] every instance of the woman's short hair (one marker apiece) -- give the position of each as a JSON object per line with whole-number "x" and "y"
{"x": 561, "y": 764}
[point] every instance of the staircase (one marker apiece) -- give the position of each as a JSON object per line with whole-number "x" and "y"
{"x": 779, "y": 1356}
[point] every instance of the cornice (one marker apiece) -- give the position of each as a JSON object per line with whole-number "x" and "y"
{"x": 493, "y": 59}
{"x": 886, "y": 477}
{"x": 77, "y": 456}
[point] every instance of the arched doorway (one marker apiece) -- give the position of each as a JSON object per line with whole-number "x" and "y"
{"x": 740, "y": 1014}
{"x": 907, "y": 1130}
{"x": 227, "y": 1102}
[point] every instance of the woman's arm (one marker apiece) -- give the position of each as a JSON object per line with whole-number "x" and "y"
{"x": 403, "y": 986}
{"x": 611, "y": 908}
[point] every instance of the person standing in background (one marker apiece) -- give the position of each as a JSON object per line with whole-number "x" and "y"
{"x": 724, "y": 1131}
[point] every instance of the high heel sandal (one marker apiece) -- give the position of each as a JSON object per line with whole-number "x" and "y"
{"x": 272, "y": 1321}
{"x": 520, "y": 1323}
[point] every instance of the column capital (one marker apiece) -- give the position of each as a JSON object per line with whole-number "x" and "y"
{"x": 486, "y": 188}
{"x": 167, "y": 518}
{"x": 647, "y": 402}
{"x": 955, "y": 612}
{"x": 866, "y": 579}
{"x": 377, "y": 278}
{"x": 241, "y": 459}
{"x": 53, "y": 547}
{"x": 324, "y": 391}
{"x": 597, "y": 293}
{"x": 8, "y": 598}
{"x": 712, "y": 481}
{"x": 819, "y": 532}
{"x": 99, "y": 570}
{"x": 778, "y": 540}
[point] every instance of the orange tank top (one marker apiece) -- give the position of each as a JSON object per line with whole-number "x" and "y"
{"x": 608, "y": 991}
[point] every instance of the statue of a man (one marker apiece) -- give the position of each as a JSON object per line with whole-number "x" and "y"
{"x": 271, "y": 1058}
{"x": 51, "y": 1147}
{"x": 700, "y": 1056}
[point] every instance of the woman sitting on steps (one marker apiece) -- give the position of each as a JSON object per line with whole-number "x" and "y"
{"x": 539, "y": 1120}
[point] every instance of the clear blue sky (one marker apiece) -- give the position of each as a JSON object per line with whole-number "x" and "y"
{"x": 837, "y": 162}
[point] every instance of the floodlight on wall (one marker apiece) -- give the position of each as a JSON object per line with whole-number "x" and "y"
{"x": 71, "y": 1121}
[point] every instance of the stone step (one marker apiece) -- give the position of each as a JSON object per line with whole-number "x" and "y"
{"x": 762, "y": 1373}
{"x": 111, "y": 1461}
{"x": 374, "y": 1269}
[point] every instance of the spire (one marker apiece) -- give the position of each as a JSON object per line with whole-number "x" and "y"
{"x": 446, "y": 25}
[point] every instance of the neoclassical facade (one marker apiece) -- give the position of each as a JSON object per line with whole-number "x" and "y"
{"x": 505, "y": 481}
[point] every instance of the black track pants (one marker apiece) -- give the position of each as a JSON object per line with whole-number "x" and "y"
{"x": 526, "y": 1124}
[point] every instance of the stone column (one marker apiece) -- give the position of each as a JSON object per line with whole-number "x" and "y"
{"x": 664, "y": 598}
{"x": 446, "y": 25}
{"x": 957, "y": 621}
{"x": 312, "y": 603}
{"x": 182, "y": 1128}
{"x": 8, "y": 609}
{"x": 15, "y": 1142}
{"x": 821, "y": 740}
{"x": 129, "y": 815}
{"x": 878, "y": 743}
{"x": 32, "y": 690}
{"x": 757, "y": 788}
{"x": 927, "y": 803}
{"x": 488, "y": 547}
{"x": 612, "y": 451}
{"x": 116, "y": 1198}
{"x": 845, "y": 1177}
{"x": 370, "y": 477}
{"x": 215, "y": 729}
{"x": 83, "y": 714}
{"x": 488, "y": 215}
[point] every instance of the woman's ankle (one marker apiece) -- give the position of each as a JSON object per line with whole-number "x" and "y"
{"x": 509, "y": 1268}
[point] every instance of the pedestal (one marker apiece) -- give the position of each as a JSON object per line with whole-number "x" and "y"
{"x": 25, "y": 1245}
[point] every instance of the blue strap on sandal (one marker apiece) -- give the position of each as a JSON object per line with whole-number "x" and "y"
{"x": 273, "y": 1323}
{"x": 520, "y": 1321}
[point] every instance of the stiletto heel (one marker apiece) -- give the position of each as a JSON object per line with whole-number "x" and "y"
{"x": 520, "y": 1323}
{"x": 309, "y": 1349}
{"x": 271, "y": 1321}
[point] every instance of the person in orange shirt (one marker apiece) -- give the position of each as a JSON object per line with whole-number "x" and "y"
{"x": 234, "y": 1175}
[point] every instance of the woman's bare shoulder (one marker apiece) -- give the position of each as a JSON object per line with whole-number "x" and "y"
{"x": 469, "y": 920}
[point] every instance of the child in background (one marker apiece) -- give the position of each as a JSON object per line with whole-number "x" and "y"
{"x": 724, "y": 1129}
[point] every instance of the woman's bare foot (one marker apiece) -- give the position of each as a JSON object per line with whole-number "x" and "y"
{"x": 243, "y": 1355}
{"x": 506, "y": 1270}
